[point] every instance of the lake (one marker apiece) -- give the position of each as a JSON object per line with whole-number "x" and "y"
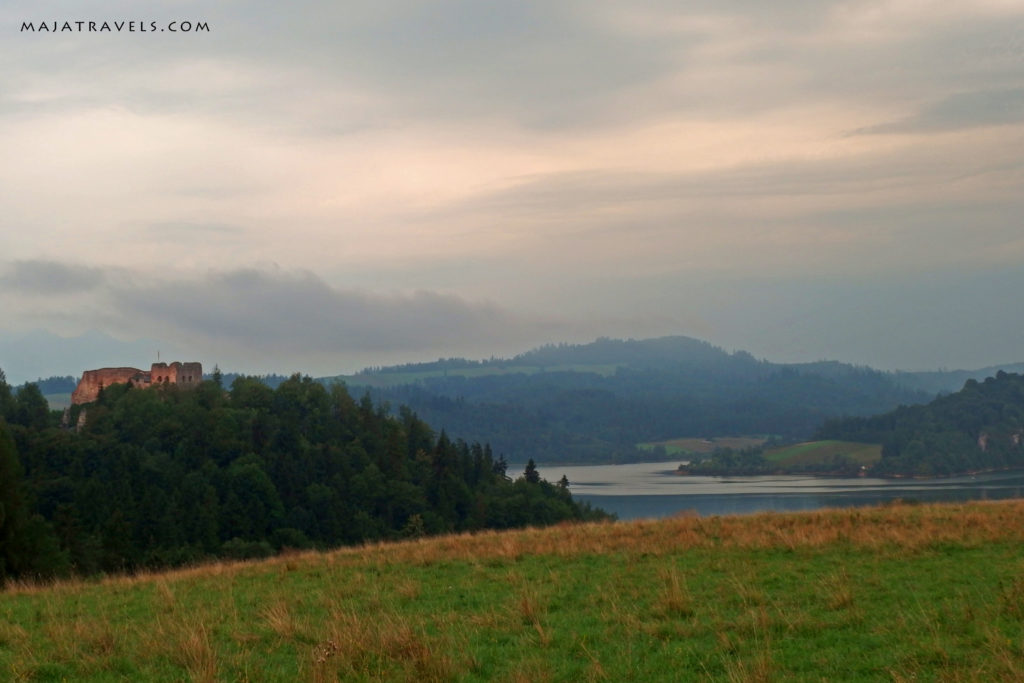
{"x": 642, "y": 490}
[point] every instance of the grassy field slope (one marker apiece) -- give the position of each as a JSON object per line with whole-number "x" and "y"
{"x": 687, "y": 446}
{"x": 893, "y": 593}
{"x": 823, "y": 452}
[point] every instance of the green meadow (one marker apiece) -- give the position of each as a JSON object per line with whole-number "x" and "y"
{"x": 903, "y": 592}
{"x": 823, "y": 452}
{"x": 696, "y": 446}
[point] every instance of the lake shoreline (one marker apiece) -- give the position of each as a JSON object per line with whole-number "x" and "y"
{"x": 646, "y": 490}
{"x": 846, "y": 475}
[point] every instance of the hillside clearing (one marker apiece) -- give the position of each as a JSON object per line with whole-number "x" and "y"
{"x": 824, "y": 452}
{"x": 693, "y": 446}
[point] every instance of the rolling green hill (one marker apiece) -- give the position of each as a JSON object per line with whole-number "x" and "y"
{"x": 595, "y": 402}
{"x": 923, "y": 592}
{"x": 432, "y": 371}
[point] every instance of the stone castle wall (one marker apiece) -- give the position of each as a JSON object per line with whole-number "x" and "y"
{"x": 184, "y": 374}
{"x": 92, "y": 380}
{"x": 176, "y": 373}
{"x": 190, "y": 374}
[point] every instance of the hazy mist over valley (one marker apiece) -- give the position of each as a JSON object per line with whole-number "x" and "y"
{"x": 615, "y": 225}
{"x": 324, "y": 187}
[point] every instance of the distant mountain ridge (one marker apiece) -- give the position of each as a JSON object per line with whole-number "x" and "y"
{"x": 605, "y": 353}
{"x": 942, "y": 381}
{"x": 595, "y": 402}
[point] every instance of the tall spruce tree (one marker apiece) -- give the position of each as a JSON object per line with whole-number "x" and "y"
{"x": 12, "y": 511}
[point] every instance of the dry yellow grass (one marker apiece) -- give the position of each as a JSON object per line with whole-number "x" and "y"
{"x": 909, "y": 526}
{"x": 572, "y": 602}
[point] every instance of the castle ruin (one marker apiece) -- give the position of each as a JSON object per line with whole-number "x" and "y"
{"x": 182, "y": 374}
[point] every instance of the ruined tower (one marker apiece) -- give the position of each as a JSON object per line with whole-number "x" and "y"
{"x": 183, "y": 374}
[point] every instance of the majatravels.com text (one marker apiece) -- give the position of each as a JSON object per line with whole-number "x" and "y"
{"x": 115, "y": 27}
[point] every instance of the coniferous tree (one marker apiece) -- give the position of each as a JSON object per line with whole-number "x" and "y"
{"x": 28, "y": 546}
{"x": 6, "y": 398}
{"x": 166, "y": 475}
{"x": 11, "y": 504}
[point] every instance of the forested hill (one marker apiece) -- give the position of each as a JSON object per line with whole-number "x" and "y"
{"x": 980, "y": 427}
{"x": 166, "y": 476}
{"x": 595, "y": 402}
{"x": 947, "y": 381}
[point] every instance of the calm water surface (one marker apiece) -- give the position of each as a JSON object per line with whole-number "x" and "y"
{"x": 653, "y": 490}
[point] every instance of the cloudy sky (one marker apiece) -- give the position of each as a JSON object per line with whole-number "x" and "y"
{"x": 317, "y": 186}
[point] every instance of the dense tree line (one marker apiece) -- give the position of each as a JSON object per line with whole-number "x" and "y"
{"x": 732, "y": 462}
{"x": 57, "y": 384}
{"x": 981, "y": 427}
{"x": 639, "y": 391}
{"x": 272, "y": 380}
{"x": 164, "y": 476}
{"x": 725, "y": 462}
